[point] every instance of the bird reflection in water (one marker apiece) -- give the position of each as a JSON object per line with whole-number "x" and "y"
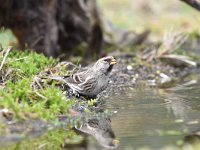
{"x": 100, "y": 129}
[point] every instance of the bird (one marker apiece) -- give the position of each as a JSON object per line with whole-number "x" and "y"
{"x": 92, "y": 81}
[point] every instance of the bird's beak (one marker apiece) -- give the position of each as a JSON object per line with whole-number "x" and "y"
{"x": 113, "y": 61}
{"x": 115, "y": 142}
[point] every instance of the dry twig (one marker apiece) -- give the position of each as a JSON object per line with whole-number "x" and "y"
{"x": 4, "y": 58}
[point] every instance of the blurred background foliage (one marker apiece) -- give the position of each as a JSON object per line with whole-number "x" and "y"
{"x": 7, "y": 37}
{"x": 158, "y": 16}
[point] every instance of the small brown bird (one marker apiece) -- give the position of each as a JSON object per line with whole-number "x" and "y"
{"x": 93, "y": 80}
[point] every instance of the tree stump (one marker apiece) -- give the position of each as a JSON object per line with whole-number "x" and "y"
{"x": 53, "y": 27}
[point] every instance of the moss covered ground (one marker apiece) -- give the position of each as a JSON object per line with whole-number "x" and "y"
{"x": 17, "y": 95}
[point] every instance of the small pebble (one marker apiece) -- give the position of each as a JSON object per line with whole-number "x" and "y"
{"x": 129, "y": 67}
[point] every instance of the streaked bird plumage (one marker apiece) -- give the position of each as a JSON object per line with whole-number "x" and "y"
{"x": 94, "y": 80}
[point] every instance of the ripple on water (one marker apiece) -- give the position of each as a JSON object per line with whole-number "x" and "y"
{"x": 148, "y": 117}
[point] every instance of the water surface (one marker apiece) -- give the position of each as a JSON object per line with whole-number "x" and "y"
{"x": 156, "y": 118}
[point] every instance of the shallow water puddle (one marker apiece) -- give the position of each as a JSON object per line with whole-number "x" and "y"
{"x": 156, "y": 118}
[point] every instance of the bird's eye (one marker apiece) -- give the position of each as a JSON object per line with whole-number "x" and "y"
{"x": 106, "y": 60}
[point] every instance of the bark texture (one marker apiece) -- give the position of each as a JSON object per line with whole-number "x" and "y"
{"x": 53, "y": 26}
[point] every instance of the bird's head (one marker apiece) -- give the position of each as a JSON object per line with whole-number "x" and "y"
{"x": 105, "y": 64}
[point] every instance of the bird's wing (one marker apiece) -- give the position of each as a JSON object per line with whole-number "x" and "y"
{"x": 76, "y": 78}
{"x": 82, "y": 81}
{"x": 84, "y": 87}
{"x": 88, "y": 85}
{"x": 80, "y": 77}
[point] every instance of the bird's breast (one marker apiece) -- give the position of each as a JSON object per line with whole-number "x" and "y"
{"x": 102, "y": 83}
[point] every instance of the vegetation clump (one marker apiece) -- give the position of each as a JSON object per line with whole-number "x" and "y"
{"x": 17, "y": 95}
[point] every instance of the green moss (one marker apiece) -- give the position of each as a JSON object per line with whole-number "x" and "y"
{"x": 50, "y": 100}
{"x": 17, "y": 94}
{"x": 92, "y": 102}
{"x": 28, "y": 63}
